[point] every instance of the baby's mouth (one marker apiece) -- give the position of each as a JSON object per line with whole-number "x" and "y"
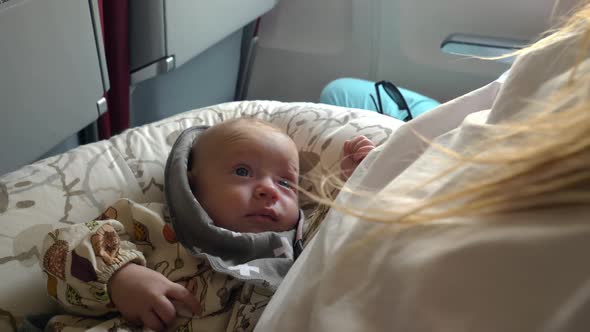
{"x": 263, "y": 216}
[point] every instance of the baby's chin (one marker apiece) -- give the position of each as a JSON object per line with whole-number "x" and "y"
{"x": 257, "y": 226}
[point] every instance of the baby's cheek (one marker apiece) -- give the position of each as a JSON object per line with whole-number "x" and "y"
{"x": 294, "y": 212}
{"x": 215, "y": 204}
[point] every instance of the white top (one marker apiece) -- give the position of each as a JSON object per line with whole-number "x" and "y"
{"x": 523, "y": 272}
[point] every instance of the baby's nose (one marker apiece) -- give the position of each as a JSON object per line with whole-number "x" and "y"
{"x": 266, "y": 190}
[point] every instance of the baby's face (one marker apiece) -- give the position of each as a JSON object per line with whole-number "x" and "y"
{"x": 246, "y": 180}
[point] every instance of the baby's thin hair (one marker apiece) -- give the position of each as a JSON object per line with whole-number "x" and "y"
{"x": 232, "y": 123}
{"x": 262, "y": 124}
{"x": 249, "y": 120}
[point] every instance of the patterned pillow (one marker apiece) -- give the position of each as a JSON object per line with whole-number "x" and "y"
{"x": 78, "y": 185}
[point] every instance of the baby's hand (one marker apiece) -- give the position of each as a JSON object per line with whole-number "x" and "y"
{"x": 147, "y": 298}
{"x": 353, "y": 152}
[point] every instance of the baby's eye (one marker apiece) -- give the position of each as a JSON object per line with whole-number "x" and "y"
{"x": 242, "y": 171}
{"x": 285, "y": 184}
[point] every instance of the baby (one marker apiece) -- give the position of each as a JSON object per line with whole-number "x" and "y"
{"x": 245, "y": 175}
{"x": 236, "y": 218}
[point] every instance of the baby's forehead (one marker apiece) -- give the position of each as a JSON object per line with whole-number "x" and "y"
{"x": 225, "y": 140}
{"x": 245, "y": 133}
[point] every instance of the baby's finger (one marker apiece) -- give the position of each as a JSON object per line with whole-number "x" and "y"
{"x": 365, "y": 142}
{"x": 362, "y": 153}
{"x": 346, "y": 148}
{"x": 185, "y": 297}
{"x": 355, "y": 141}
{"x": 360, "y": 138}
{"x": 366, "y": 148}
{"x": 346, "y": 173}
{"x": 151, "y": 321}
{"x": 359, "y": 156}
{"x": 165, "y": 310}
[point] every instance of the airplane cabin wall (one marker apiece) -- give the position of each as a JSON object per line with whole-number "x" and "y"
{"x": 305, "y": 44}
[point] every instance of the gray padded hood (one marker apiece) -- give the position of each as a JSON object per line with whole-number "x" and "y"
{"x": 259, "y": 258}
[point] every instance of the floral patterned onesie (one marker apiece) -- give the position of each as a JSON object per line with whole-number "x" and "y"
{"x": 79, "y": 260}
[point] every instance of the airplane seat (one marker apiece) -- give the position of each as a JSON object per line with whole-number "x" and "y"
{"x": 164, "y": 35}
{"x": 54, "y": 71}
{"x": 53, "y": 76}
